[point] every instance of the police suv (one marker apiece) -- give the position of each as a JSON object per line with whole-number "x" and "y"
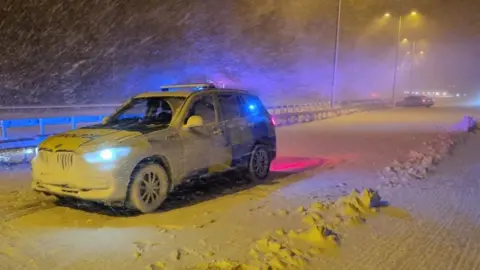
{"x": 156, "y": 141}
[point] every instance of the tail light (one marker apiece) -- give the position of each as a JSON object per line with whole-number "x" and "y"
{"x": 273, "y": 120}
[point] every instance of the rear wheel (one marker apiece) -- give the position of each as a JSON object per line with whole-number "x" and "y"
{"x": 148, "y": 188}
{"x": 259, "y": 163}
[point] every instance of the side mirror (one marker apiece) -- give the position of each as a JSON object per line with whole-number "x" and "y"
{"x": 193, "y": 122}
{"x": 105, "y": 120}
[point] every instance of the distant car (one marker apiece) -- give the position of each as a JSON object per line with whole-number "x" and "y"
{"x": 416, "y": 101}
{"x": 156, "y": 141}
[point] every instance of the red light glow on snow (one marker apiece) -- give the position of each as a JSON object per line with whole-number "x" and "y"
{"x": 283, "y": 164}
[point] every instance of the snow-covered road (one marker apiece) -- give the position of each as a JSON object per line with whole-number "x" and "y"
{"x": 221, "y": 220}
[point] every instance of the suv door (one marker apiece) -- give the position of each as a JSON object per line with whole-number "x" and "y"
{"x": 204, "y": 147}
{"x": 259, "y": 122}
{"x": 237, "y": 133}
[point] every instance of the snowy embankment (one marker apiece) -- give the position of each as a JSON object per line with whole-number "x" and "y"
{"x": 419, "y": 164}
{"x": 297, "y": 249}
{"x": 293, "y": 249}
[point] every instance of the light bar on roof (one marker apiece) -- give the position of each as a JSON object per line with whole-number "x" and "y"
{"x": 197, "y": 86}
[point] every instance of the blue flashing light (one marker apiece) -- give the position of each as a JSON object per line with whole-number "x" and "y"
{"x": 253, "y": 109}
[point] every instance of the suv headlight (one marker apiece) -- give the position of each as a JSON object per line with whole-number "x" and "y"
{"x": 107, "y": 155}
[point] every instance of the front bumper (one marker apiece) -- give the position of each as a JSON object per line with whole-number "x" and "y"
{"x": 111, "y": 194}
{"x": 92, "y": 183}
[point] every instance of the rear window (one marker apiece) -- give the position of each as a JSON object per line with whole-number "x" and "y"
{"x": 252, "y": 105}
{"x": 230, "y": 106}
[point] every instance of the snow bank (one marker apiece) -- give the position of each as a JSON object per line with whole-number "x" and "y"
{"x": 294, "y": 249}
{"x": 418, "y": 164}
{"x": 467, "y": 124}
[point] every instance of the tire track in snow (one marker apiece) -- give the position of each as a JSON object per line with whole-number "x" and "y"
{"x": 428, "y": 249}
{"x": 10, "y": 213}
{"x": 469, "y": 201}
{"x": 449, "y": 205}
{"x": 445, "y": 203}
{"x": 460, "y": 199}
{"x": 365, "y": 257}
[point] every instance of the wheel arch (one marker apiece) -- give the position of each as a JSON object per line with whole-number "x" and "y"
{"x": 155, "y": 159}
{"x": 268, "y": 142}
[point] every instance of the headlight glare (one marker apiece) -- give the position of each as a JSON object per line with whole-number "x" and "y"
{"x": 107, "y": 155}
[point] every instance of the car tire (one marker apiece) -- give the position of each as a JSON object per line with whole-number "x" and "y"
{"x": 259, "y": 162}
{"x": 148, "y": 188}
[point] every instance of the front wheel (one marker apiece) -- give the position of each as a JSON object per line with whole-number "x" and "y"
{"x": 149, "y": 188}
{"x": 62, "y": 200}
{"x": 259, "y": 163}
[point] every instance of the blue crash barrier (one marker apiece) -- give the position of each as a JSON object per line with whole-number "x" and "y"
{"x": 42, "y": 122}
{"x": 284, "y": 115}
{"x": 18, "y": 151}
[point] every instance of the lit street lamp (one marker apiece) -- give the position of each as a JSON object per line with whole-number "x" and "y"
{"x": 413, "y": 62}
{"x": 397, "y": 51}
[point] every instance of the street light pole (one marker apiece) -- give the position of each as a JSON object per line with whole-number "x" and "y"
{"x": 397, "y": 51}
{"x": 335, "y": 58}
{"x": 413, "y": 57}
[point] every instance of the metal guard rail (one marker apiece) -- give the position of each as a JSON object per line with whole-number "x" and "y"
{"x": 291, "y": 118}
{"x": 283, "y": 115}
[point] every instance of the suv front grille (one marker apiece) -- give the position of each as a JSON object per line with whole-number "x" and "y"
{"x": 64, "y": 160}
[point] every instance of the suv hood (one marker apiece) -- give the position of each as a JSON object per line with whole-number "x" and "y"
{"x": 85, "y": 137}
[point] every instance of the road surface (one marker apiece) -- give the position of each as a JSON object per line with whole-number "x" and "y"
{"x": 220, "y": 219}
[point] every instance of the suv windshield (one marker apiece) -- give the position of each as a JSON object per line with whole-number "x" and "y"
{"x": 144, "y": 113}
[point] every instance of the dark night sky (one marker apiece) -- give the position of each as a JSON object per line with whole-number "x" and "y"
{"x": 67, "y": 51}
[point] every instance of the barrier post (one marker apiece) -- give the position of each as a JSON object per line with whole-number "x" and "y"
{"x": 42, "y": 127}
{"x": 74, "y": 122}
{"x": 4, "y": 129}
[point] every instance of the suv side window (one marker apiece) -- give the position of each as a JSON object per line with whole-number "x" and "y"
{"x": 251, "y": 105}
{"x": 203, "y": 107}
{"x": 230, "y": 106}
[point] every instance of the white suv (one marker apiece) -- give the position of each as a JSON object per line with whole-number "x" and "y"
{"x": 153, "y": 143}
